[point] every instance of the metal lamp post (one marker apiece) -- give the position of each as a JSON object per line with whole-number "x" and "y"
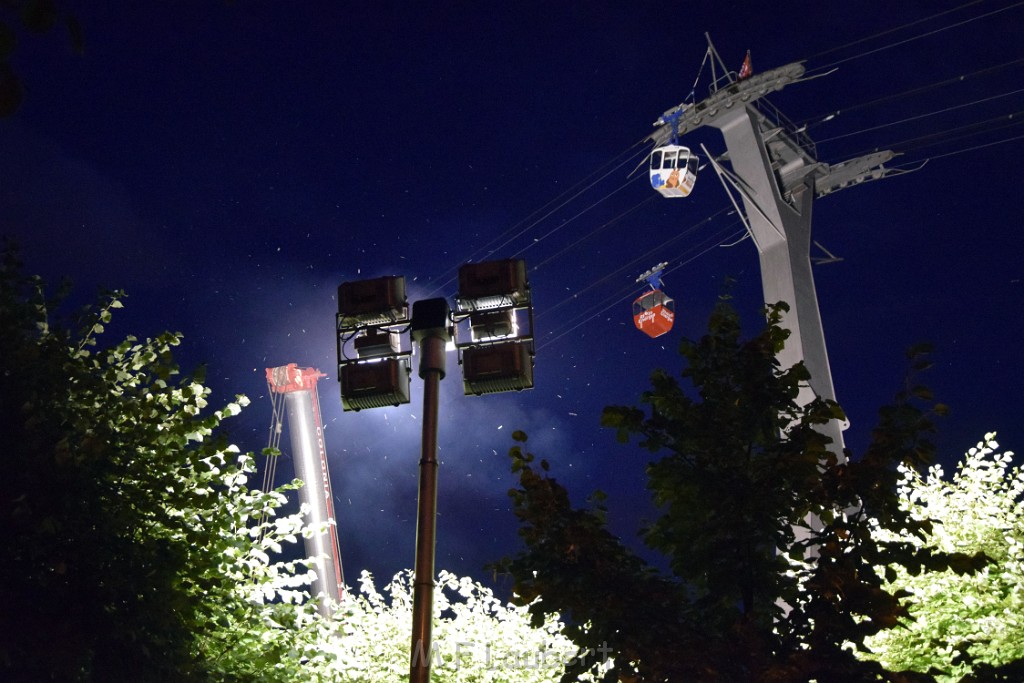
{"x": 494, "y": 304}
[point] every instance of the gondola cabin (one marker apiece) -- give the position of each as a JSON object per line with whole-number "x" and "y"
{"x": 654, "y": 313}
{"x": 673, "y": 170}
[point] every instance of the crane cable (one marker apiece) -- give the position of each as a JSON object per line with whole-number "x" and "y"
{"x": 273, "y": 444}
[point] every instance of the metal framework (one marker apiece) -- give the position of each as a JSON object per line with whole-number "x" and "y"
{"x": 499, "y": 355}
{"x": 298, "y": 388}
{"x": 774, "y": 173}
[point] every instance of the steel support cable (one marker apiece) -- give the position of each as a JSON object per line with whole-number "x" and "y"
{"x": 593, "y": 205}
{"x": 583, "y": 185}
{"x": 893, "y": 30}
{"x": 566, "y": 202}
{"x": 950, "y": 135}
{"x": 919, "y": 36}
{"x": 632, "y": 265}
{"x": 650, "y": 254}
{"x": 601, "y": 228}
{"x": 994, "y": 143}
{"x": 273, "y": 442}
{"x": 556, "y": 203}
{"x": 616, "y": 299}
{"x": 921, "y": 116}
{"x": 815, "y": 121}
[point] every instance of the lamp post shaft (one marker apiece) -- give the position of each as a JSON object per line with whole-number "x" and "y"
{"x": 432, "y": 366}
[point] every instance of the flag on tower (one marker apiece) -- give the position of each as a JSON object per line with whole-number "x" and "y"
{"x": 747, "y": 69}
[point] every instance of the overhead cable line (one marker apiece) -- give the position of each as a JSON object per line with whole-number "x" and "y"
{"x": 815, "y": 121}
{"x": 994, "y": 143}
{"x": 893, "y": 30}
{"x": 918, "y": 37}
{"x": 556, "y": 203}
{"x": 617, "y": 299}
{"x": 714, "y": 239}
{"x": 594, "y": 232}
{"x": 632, "y": 265}
{"x": 491, "y": 250}
{"x": 921, "y": 116}
{"x": 581, "y": 213}
{"x": 942, "y": 137}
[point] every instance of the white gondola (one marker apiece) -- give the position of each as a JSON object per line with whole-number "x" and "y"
{"x": 673, "y": 170}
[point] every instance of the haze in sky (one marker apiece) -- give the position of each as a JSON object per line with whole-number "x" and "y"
{"x": 230, "y": 164}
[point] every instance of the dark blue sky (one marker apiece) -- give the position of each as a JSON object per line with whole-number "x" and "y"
{"x": 229, "y": 164}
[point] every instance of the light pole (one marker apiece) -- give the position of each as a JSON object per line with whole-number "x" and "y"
{"x": 494, "y": 304}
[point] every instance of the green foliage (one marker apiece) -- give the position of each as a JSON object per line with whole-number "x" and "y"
{"x": 964, "y": 624}
{"x": 128, "y": 551}
{"x": 479, "y": 638}
{"x": 767, "y": 532}
{"x": 134, "y": 549}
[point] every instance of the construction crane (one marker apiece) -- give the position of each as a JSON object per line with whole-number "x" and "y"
{"x": 295, "y": 387}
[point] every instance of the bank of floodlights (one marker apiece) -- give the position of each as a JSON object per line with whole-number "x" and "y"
{"x": 492, "y": 326}
{"x": 373, "y": 367}
{"x": 494, "y": 303}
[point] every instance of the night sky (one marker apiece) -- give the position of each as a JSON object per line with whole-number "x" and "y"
{"x": 228, "y": 164}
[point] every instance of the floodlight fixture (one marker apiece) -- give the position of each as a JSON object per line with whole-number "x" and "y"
{"x": 379, "y": 301}
{"x": 376, "y": 343}
{"x": 494, "y": 303}
{"x": 378, "y": 373}
{"x": 491, "y": 325}
{"x": 374, "y": 384}
{"x": 493, "y": 284}
{"x": 493, "y": 368}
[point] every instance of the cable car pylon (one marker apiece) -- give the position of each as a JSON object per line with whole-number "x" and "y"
{"x": 774, "y": 171}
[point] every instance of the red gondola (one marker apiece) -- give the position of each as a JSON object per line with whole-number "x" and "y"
{"x": 654, "y": 311}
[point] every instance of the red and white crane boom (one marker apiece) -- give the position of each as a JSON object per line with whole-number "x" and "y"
{"x": 298, "y": 388}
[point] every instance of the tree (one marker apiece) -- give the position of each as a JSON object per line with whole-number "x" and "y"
{"x": 129, "y": 548}
{"x": 741, "y": 466}
{"x": 958, "y": 622}
{"x": 477, "y": 637}
{"x": 135, "y": 550}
